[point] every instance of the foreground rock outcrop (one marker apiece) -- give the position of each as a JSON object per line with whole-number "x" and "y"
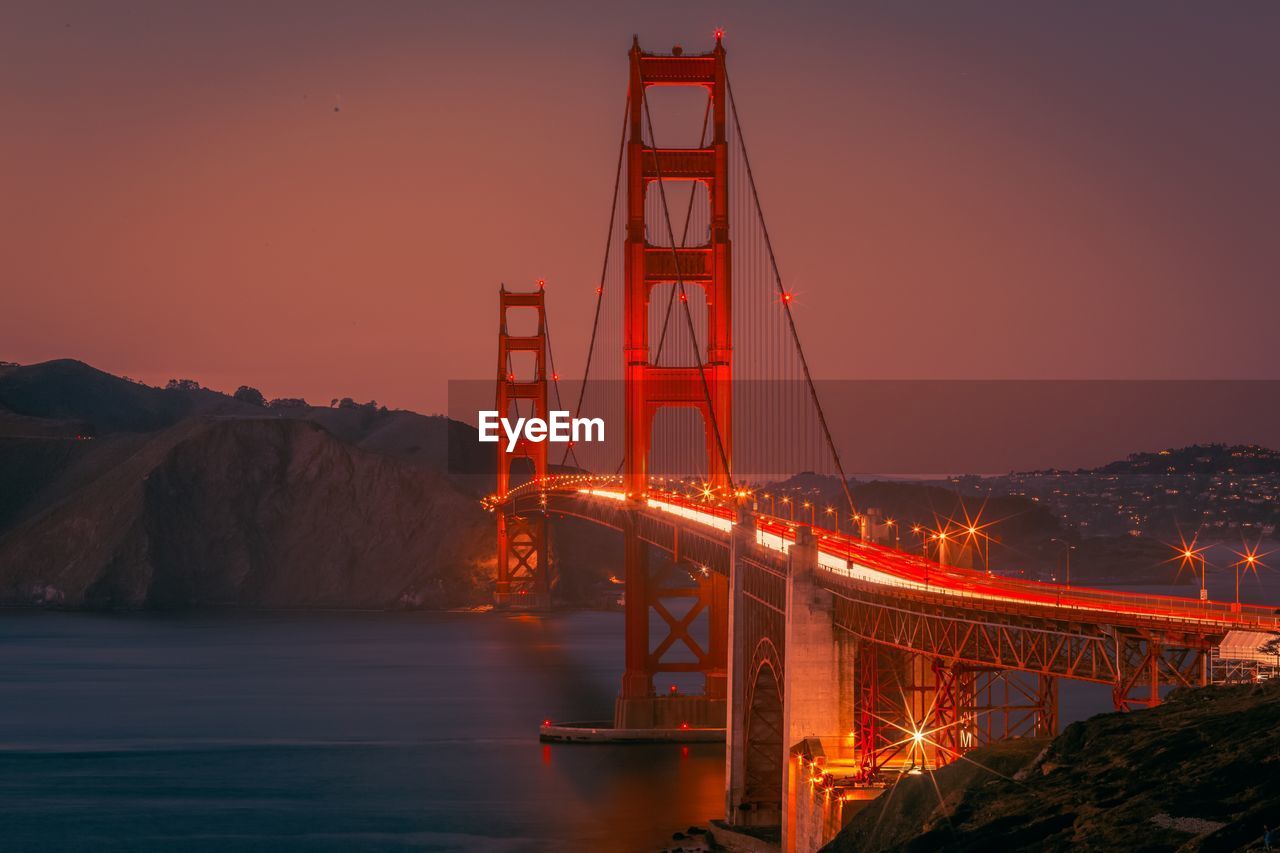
{"x": 1198, "y": 773}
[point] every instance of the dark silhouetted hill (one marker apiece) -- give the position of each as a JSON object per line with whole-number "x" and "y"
{"x": 118, "y": 494}
{"x": 1198, "y": 773}
{"x": 72, "y": 391}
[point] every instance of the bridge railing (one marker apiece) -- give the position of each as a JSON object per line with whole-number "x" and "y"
{"x": 856, "y": 559}
{"x": 908, "y": 571}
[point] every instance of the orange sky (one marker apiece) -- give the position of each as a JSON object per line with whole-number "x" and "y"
{"x": 1000, "y": 190}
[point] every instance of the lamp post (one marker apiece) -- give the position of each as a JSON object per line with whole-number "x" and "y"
{"x": 1067, "y": 548}
{"x": 941, "y": 537}
{"x": 1249, "y": 561}
{"x": 1189, "y": 556}
{"x": 831, "y": 511}
{"x": 813, "y": 513}
{"x": 894, "y": 525}
{"x": 977, "y": 537}
{"x": 1192, "y": 555}
{"x": 1189, "y": 553}
{"x": 790, "y": 507}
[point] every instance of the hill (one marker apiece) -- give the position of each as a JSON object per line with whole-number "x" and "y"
{"x": 71, "y": 392}
{"x": 1198, "y": 773}
{"x": 119, "y": 494}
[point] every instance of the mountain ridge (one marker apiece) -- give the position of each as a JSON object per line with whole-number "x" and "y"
{"x": 122, "y": 495}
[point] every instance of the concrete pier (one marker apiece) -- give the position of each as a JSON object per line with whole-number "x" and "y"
{"x": 811, "y": 696}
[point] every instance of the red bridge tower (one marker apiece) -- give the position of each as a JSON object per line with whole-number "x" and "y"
{"x": 649, "y": 388}
{"x": 524, "y": 572}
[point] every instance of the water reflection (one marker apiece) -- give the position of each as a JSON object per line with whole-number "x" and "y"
{"x": 346, "y": 732}
{"x": 330, "y": 732}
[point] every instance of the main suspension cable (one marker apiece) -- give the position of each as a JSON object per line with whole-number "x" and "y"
{"x": 555, "y": 377}
{"x": 604, "y": 269}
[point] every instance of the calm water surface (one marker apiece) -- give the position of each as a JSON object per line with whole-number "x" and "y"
{"x": 346, "y": 732}
{"x": 327, "y": 732}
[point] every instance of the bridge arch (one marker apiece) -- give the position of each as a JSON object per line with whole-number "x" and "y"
{"x": 763, "y": 741}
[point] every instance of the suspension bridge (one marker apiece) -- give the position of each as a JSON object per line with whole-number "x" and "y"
{"x": 832, "y": 661}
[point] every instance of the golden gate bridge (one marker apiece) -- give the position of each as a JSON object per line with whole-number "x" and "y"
{"x": 831, "y": 662}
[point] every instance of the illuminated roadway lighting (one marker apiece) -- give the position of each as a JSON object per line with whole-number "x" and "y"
{"x": 902, "y": 573}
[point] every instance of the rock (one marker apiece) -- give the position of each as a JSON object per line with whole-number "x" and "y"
{"x": 1200, "y": 772}
{"x": 257, "y": 512}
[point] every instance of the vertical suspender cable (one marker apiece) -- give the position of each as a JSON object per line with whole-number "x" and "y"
{"x": 786, "y": 306}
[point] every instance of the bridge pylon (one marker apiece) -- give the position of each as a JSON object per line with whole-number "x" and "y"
{"x": 524, "y": 571}
{"x": 649, "y": 387}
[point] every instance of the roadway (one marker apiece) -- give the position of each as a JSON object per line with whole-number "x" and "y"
{"x": 853, "y": 559}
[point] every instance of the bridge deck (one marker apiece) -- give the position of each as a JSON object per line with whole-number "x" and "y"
{"x": 854, "y": 563}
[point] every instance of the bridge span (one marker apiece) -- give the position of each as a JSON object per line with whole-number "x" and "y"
{"x": 850, "y": 662}
{"x": 832, "y": 663}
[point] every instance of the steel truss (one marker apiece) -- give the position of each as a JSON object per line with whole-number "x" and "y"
{"x": 1136, "y": 662}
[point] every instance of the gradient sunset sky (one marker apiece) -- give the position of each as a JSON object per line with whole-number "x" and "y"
{"x": 320, "y": 199}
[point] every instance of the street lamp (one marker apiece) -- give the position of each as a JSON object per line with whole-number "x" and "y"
{"x": 791, "y": 507}
{"x": 832, "y": 512}
{"x": 1249, "y": 561}
{"x": 976, "y": 536}
{"x": 942, "y": 538}
{"x": 813, "y": 519}
{"x": 1067, "y": 548}
{"x": 894, "y": 526}
{"x": 1189, "y": 554}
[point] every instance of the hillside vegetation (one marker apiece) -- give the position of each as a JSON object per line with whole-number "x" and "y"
{"x": 1198, "y": 773}
{"x": 121, "y": 495}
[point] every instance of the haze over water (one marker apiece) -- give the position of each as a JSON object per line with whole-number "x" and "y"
{"x": 347, "y": 731}
{"x": 354, "y": 731}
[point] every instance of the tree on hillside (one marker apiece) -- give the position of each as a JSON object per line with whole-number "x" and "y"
{"x": 1272, "y": 647}
{"x": 288, "y": 403}
{"x": 252, "y": 396}
{"x": 182, "y": 385}
{"x": 348, "y": 403}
